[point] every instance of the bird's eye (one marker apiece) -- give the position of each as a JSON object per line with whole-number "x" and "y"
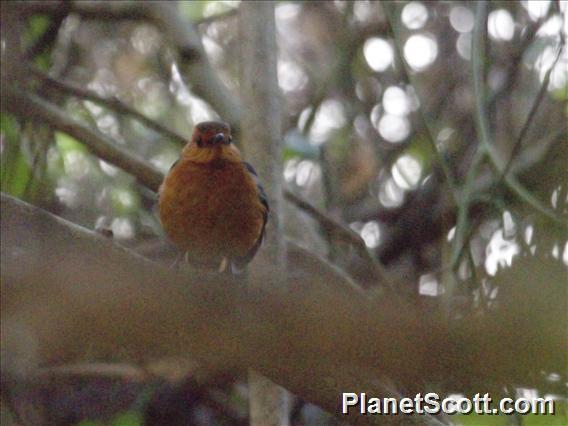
{"x": 199, "y": 142}
{"x": 230, "y": 139}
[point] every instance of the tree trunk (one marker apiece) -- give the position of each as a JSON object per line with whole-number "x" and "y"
{"x": 260, "y": 124}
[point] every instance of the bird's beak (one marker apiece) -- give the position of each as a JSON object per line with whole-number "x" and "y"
{"x": 219, "y": 138}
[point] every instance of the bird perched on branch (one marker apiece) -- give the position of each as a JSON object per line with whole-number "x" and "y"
{"x": 211, "y": 204}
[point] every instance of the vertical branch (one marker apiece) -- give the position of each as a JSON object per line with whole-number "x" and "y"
{"x": 261, "y": 137}
{"x": 261, "y": 113}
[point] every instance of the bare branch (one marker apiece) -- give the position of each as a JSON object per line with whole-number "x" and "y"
{"x": 532, "y": 113}
{"x": 482, "y": 123}
{"x": 29, "y": 106}
{"x": 343, "y": 232}
{"x": 121, "y": 371}
{"x": 114, "y": 104}
{"x": 181, "y": 33}
{"x": 196, "y": 67}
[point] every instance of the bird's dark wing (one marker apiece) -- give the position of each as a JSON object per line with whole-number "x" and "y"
{"x": 238, "y": 264}
{"x": 261, "y": 194}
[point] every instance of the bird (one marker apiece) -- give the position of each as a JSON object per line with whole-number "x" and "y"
{"x": 211, "y": 204}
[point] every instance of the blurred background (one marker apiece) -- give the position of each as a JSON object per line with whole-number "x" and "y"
{"x": 382, "y": 133}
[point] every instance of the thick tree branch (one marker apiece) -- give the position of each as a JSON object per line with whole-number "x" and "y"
{"x": 197, "y": 69}
{"x": 183, "y": 35}
{"x": 67, "y": 291}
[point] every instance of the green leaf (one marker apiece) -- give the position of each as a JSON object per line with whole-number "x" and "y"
{"x": 8, "y": 126}
{"x": 67, "y": 144}
{"x": 89, "y": 423}
{"x": 481, "y": 420}
{"x": 43, "y": 61}
{"x": 559, "y": 418}
{"x": 124, "y": 201}
{"x": 129, "y": 418}
{"x": 15, "y": 170}
{"x": 17, "y": 178}
{"x": 38, "y": 24}
{"x": 193, "y": 10}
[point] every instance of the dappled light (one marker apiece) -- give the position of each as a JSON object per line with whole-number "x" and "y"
{"x": 420, "y": 51}
{"x": 378, "y": 53}
{"x": 500, "y": 25}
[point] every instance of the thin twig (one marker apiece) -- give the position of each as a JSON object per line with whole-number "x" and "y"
{"x": 461, "y": 239}
{"x": 340, "y": 231}
{"x": 532, "y": 113}
{"x": 486, "y": 147}
{"x": 406, "y": 76}
{"x": 478, "y": 43}
{"x": 112, "y": 103}
{"x": 482, "y": 120}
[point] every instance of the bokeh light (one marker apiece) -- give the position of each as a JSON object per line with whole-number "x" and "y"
{"x": 500, "y": 25}
{"x": 461, "y": 19}
{"x": 420, "y": 50}
{"x": 371, "y": 234}
{"x": 329, "y": 117}
{"x": 406, "y": 172}
{"x": 536, "y": 8}
{"x": 378, "y": 54}
{"x": 414, "y": 15}
{"x": 394, "y": 128}
{"x": 500, "y": 252}
{"x": 390, "y": 194}
{"x": 395, "y": 101}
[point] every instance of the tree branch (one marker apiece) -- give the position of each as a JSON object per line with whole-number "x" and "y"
{"x": 482, "y": 121}
{"x": 269, "y": 404}
{"x": 67, "y": 291}
{"x": 27, "y": 105}
{"x": 114, "y": 104}
{"x": 195, "y": 64}
{"x": 343, "y": 232}
{"x": 182, "y": 34}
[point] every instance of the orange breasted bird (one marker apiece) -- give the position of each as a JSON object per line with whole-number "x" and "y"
{"x": 211, "y": 204}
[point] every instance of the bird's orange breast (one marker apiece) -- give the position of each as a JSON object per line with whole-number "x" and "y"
{"x": 211, "y": 210}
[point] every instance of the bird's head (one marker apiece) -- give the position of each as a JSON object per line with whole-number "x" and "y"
{"x": 210, "y": 134}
